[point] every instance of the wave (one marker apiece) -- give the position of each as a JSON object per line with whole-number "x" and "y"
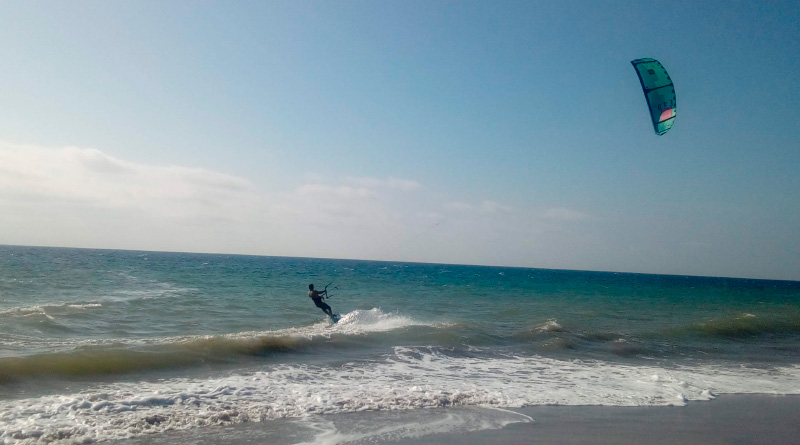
{"x": 48, "y": 310}
{"x": 743, "y": 325}
{"x": 90, "y": 358}
{"x": 52, "y": 308}
{"x": 406, "y": 379}
{"x": 550, "y": 326}
{"x": 551, "y": 336}
{"x": 541, "y": 330}
{"x": 362, "y": 328}
{"x": 715, "y": 333}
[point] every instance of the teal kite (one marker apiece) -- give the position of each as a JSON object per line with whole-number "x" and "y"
{"x": 658, "y": 91}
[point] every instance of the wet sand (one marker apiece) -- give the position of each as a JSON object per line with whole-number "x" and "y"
{"x": 728, "y": 419}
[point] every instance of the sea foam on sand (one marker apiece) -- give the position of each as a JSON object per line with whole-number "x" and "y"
{"x": 408, "y": 379}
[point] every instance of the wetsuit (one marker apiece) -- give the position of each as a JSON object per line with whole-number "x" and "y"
{"x": 319, "y": 303}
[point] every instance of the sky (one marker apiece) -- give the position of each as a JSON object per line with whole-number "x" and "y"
{"x": 492, "y": 132}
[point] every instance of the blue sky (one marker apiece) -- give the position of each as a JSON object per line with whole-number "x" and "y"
{"x": 505, "y": 133}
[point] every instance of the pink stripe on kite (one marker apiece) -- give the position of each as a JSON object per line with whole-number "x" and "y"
{"x": 666, "y": 114}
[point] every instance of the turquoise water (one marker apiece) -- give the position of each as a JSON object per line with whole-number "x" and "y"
{"x": 100, "y": 344}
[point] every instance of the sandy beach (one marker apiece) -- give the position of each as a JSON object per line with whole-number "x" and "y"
{"x": 728, "y": 419}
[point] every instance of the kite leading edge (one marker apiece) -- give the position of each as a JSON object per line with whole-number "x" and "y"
{"x": 658, "y": 91}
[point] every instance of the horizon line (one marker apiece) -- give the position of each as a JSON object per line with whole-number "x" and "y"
{"x": 406, "y": 262}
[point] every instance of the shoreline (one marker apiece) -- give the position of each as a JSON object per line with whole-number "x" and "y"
{"x": 727, "y": 419}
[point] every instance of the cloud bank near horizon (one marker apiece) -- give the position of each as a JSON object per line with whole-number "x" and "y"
{"x": 84, "y": 197}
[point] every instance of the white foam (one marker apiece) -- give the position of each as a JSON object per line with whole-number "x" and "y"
{"x": 549, "y": 326}
{"x": 408, "y": 379}
{"x": 357, "y": 322}
{"x": 25, "y": 311}
{"x": 43, "y": 309}
{"x": 373, "y": 320}
{"x": 397, "y": 425}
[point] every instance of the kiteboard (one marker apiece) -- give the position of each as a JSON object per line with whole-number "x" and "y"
{"x": 335, "y": 318}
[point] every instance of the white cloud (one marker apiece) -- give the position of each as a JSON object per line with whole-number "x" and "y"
{"x": 405, "y": 185}
{"x": 564, "y": 214}
{"x": 459, "y": 206}
{"x": 326, "y": 192}
{"x": 85, "y": 197}
{"x": 482, "y": 207}
{"x": 493, "y": 207}
{"x": 90, "y": 178}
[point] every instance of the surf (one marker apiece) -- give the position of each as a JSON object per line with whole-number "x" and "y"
{"x": 406, "y": 379}
{"x": 124, "y": 356}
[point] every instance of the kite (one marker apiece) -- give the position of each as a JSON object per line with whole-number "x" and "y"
{"x": 658, "y": 91}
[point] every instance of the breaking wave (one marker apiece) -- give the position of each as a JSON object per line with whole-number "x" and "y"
{"x": 89, "y": 358}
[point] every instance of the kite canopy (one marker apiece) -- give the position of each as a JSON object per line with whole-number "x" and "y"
{"x": 658, "y": 91}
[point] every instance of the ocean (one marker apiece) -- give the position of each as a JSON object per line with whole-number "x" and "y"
{"x": 145, "y": 347}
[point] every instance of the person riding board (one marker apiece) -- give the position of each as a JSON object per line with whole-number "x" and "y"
{"x": 317, "y": 296}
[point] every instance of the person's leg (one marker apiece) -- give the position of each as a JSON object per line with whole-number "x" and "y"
{"x": 325, "y": 308}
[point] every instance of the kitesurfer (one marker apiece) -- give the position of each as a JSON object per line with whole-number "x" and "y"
{"x": 317, "y": 296}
